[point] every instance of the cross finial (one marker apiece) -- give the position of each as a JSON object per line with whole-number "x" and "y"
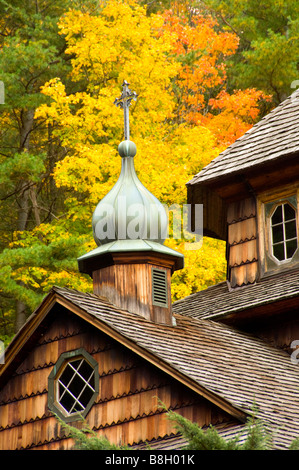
{"x": 124, "y": 101}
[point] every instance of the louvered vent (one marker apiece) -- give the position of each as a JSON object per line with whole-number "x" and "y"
{"x": 159, "y": 286}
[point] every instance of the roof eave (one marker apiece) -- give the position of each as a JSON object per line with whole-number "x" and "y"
{"x": 215, "y": 193}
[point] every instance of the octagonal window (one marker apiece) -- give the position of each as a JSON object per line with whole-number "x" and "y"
{"x": 73, "y": 385}
{"x": 284, "y": 232}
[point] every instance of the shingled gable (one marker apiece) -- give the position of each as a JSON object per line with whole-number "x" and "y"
{"x": 234, "y": 371}
{"x": 246, "y": 189}
{"x": 273, "y": 137}
{"x": 241, "y": 190}
{"x": 145, "y": 338}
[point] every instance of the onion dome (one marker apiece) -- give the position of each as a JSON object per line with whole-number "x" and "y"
{"x": 129, "y": 219}
{"x": 129, "y": 211}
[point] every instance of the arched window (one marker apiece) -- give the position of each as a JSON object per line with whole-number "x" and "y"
{"x": 73, "y": 385}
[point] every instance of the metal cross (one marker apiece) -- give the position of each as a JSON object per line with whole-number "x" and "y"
{"x": 124, "y": 101}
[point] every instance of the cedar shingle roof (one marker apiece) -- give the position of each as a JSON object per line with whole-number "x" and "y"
{"x": 238, "y": 367}
{"x": 219, "y": 300}
{"x": 274, "y": 136}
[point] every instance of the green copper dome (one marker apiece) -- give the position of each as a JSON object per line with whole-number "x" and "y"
{"x": 129, "y": 211}
{"x": 129, "y": 219}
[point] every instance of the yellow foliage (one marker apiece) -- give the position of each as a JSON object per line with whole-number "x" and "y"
{"x": 204, "y": 267}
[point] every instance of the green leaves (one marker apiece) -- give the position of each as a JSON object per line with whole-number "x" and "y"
{"x": 31, "y": 52}
{"x": 268, "y": 53}
{"x": 23, "y": 165}
{"x": 38, "y": 259}
{"x": 275, "y": 56}
{"x": 254, "y": 436}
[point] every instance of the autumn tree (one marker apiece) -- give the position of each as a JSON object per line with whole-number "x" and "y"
{"x": 268, "y": 52}
{"x": 31, "y": 52}
{"x": 176, "y": 65}
{"x": 201, "y": 87}
{"x": 176, "y": 70}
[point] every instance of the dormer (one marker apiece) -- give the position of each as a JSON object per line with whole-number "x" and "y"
{"x": 250, "y": 195}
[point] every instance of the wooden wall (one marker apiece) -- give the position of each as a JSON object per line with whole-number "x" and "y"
{"x": 279, "y": 329}
{"x": 242, "y": 245}
{"x": 129, "y": 286}
{"x": 126, "y": 410}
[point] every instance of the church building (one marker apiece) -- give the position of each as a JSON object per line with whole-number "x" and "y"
{"x": 215, "y": 357}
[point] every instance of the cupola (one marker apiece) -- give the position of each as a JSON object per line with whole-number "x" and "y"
{"x": 131, "y": 266}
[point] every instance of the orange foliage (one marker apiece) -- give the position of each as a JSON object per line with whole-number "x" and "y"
{"x": 200, "y": 83}
{"x": 236, "y": 114}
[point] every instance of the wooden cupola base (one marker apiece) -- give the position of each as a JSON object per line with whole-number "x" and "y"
{"x": 138, "y": 281}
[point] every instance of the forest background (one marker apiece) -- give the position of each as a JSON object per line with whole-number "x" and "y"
{"x": 204, "y": 71}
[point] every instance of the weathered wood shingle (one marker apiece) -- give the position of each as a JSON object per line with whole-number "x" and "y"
{"x": 218, "y": 301}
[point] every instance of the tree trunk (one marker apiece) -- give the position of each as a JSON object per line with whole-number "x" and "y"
{"x": 23, "y": 202}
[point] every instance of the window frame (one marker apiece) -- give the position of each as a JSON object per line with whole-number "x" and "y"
{"x": 269, "y": 264}
{"x": 282, "y": 223}
{"x": 58, "y": 369}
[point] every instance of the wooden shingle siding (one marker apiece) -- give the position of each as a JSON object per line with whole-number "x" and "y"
{"x": 207, "y": 371}
{"x": 242, "y": 243}
{"x": 241, "y": 210}
{"x": 241, "y": 232}
{"x": 244, "y": 274}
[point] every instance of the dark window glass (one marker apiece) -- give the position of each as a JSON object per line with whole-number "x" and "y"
{"x": 277, "y": 232}
{"x": 290, "y": 228}
{"x": 66, "y": 375}
{"x": 291, "y": 248}
{"x": 66, "y": 400}
{"x": 85, "y": 370}
{"x": 76, "y": 385}
{"x": 284, "y": 232}
{"x": 289, "y": 212}
{"x": 86, "y": 396}
{"x": 277, "y": 216}
{"x": 278, "y": 251}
